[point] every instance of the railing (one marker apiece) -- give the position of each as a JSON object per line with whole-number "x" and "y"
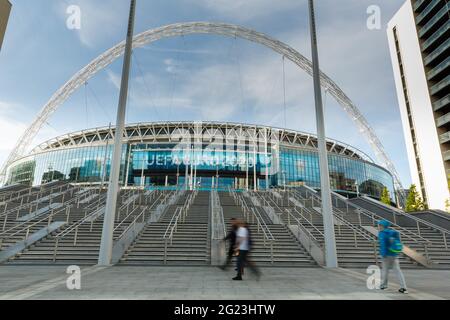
{"x": 178, "y": 217}
{"x": 306, "y": 229}
{"x": 341, "y": 221}
{"x": 9, "y": 194}
{"x": 218, "y": 232}
{"x": 445, "y": 233}
{"x": 340, "y": 215}
{"x": 254, "y": 215}
{"x": 37, "y": 201}
{"x": 64, "y": 204}
{"x": 139, "y": 217}
{"x": 26, "y": 226}
{"x": 74, "y": 228}
{"x": 39, "y": 194}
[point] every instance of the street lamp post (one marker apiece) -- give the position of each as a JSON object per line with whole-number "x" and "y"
{"x": 105, "y": 254}
{"x": 327, "y": 211}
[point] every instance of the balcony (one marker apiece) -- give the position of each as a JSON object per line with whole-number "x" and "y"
{"x": 446, "y": 155}
{"x": 437, "y": 52}
{"x": 431, "y": 6}
{"x": 436, "y": 36}
{"x": 445, "y": 137}
{"x": 441, "y": 103}
{"x": 419, "y": 4}
{"x": 442, "y": 121}
{"x": 443, "y": 84}
{"x": 439, "y": 69}
{"x": 443, "y": 13}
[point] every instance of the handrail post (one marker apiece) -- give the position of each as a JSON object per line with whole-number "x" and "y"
{"x": 375, "y": 252}
{"x": 445, "y": 240}
{"x": 4, "y": 222}
{"x": 165, "y": 250}
{"x": 271, "y": 251}
{"x": 75, "y": 237}
{"x": 418, "y": 228}
{"x": 50, "y": 219}
{"x": 426, "y": 252}
{"x": 55, "y": 250}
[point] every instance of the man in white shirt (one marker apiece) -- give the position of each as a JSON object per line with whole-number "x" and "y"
{"x": 243, "y": 246}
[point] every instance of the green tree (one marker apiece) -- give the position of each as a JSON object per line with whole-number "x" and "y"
{"x": 414, "y": 201}
{"x": 386, "y": 197}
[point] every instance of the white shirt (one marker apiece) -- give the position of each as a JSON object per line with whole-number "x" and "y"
{"x": 242, "y": 235}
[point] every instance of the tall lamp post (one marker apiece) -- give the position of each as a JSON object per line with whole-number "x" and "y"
{"x": 105, "y": 255}
{"x": 327, "y": 209}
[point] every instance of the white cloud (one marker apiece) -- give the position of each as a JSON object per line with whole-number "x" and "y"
{"x": 10, "y": 129}
{"x": 100, "y": 20}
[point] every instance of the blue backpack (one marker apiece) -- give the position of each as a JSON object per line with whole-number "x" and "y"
{"x": 394, "y": 243}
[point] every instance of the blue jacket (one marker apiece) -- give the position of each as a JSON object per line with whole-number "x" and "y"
{"x": 383, "y": 240}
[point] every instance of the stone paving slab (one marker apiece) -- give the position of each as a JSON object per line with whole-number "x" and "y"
{"x": 206, "y": 283}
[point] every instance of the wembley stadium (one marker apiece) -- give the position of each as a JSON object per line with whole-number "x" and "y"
{"x": 204, "y": 155}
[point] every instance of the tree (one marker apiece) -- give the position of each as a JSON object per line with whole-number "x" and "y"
{"x": 386, "y": 197}
{"x": 414, "y": 201}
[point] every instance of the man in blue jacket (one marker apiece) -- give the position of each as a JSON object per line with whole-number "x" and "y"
{"x": 390, "y": 247}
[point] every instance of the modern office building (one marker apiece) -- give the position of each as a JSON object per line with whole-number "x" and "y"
{"x": 419, "y": 40}
{"x": 5, "y": 9}
{"x": 218, "y": 155}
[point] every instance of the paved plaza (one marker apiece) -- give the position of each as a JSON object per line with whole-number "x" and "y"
{"x": 208, "y": 283}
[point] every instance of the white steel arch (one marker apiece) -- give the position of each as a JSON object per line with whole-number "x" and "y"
{"x": 180, "y": 29}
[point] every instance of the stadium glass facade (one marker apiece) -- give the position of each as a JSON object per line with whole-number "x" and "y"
{"x": 152, "y": 159}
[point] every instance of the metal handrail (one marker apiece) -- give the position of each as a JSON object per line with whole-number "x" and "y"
{"x": 38, "y": 193}
{"x": 219, "y": 231}
{"x": 69, "y": 230}
{"x": 340, "y": 218}
{"x": 136, "y": 218}
{"x": 409, "y": 216}
{"x": 375, "y": 217}
{"x": 312, "y": 225}
{"x": 28, "y": 227}
{"x": 9, "y": 194}
{"x": 173, "y": 224}
{"x": 30, "y": 205}
{"x": 306, "y": 229}
{"x": 339, "y": 214}
{"x": 66, "y": 205}
{"x": 261, "y": 225}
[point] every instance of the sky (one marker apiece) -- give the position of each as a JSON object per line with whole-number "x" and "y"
{"x": 200, "y": 77}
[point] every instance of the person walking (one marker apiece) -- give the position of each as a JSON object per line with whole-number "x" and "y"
{"x": 390, "y": 248}
{"x": 243, "y": 242}
{"x": 231, "y": 237}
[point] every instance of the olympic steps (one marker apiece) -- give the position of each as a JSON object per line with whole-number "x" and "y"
{"x": 287, "y": 251}
{"x": 351, "y": 253}
{"x": 82, "y": 251}
{"x": 190, "y": 245}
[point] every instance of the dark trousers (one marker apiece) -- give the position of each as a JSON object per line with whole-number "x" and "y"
{"x": 242, "y": 261}
{"x": 229, "y": 256}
